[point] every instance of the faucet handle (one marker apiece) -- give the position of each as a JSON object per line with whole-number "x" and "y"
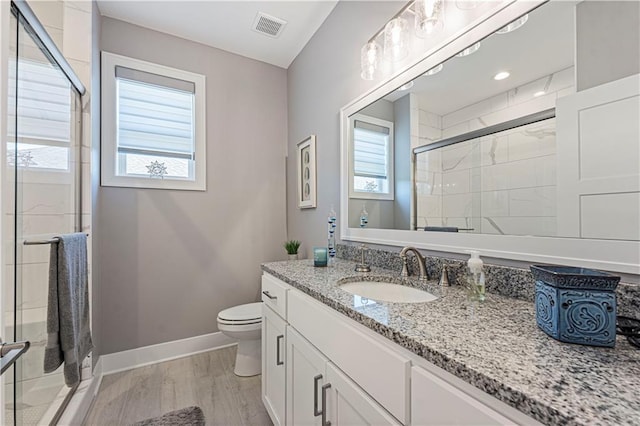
{"x": 405, "y": 267}
{"x": 444, "y": 278}
{"x": 362, "y": 266}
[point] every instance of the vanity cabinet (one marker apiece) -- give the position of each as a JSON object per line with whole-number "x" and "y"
{"x": 348, "y": 404}
{"x": 274, "y": 333}
{"x": 334, "y": 366}
{"x": 434, "y": 402}
{"x": 317, "y": 390}
{"x": 306, "y": 374}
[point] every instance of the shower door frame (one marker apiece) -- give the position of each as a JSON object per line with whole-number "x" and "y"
{"x": 38, "y": 30}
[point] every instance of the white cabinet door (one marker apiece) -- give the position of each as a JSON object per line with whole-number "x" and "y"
{"x": 379, "y": 370}
{"x": 305, "y": 377}
{"x": 273, "y": 365}
{"x": 348, "y": 404}
{"x": 436, "y": 402}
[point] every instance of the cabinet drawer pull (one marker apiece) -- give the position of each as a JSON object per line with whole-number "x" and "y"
{"x": 278, "y": 362}
{"x": 316, "y": 412}
{"x": 266, "y": 293}
{"x": 325, "y": 422}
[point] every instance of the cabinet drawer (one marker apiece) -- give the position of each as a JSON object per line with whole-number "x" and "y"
{"x": 436, "y": 402}
{"x": 379, "y": 371}
{"x": 274, "y": 294}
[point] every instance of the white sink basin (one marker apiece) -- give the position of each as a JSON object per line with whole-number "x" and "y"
{"x": 388, "y": 292}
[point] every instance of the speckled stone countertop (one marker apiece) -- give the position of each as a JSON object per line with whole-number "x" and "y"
{"x": 495, "y": 346}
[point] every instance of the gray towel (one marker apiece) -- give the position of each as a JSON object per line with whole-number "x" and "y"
{"x": 69, "y": 336}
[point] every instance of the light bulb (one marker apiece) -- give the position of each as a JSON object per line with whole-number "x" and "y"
{"x": 538, "y": 94}
{"x": 429, "y": 17}
{"x": 501, "y": 75}
{"x": 396, "y": 39}
{"x": 369, "y": 60}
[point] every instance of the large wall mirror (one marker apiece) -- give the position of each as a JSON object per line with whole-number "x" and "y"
{"x": 510, "y": 144}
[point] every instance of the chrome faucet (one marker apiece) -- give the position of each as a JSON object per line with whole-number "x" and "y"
{"x": 421, "y": 263}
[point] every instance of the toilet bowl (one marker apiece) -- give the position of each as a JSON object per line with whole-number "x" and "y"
{"x": 244, "y": 323}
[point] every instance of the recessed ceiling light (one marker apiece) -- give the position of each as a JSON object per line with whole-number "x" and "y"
{"x": 514, "y": 25}
{"x": 434, "y": 70}
{"x": 469, "y": 50}
{"x": 540, "y": 93}
{"x": 407, "y": 86}
{"x": 501, "y": 75}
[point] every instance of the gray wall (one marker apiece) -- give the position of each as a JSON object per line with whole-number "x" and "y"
{"x": 96, "y": 311}
{"x": 608, "y": 41}
{"x": 402, "y": 160}
{"x": 171, "y": 260}
{"x": 324, "y": 77}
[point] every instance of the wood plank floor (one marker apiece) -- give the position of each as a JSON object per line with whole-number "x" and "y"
{"x": 205, "y": 380}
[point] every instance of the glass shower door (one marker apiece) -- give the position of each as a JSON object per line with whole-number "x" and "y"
{"x": 43, "y": 161}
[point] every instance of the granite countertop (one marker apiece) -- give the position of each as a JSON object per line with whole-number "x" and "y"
{"x": 495, "y": 346}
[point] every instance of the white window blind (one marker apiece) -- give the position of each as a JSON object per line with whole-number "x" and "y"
{"x": 155, "y": 115}
{"x": 44, "y": 102}
{"x": 370, "y": 150}
{"x": 153, "y": 125}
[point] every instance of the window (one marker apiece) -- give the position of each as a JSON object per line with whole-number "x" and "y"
{"x": 153, "y": 130}
{"x": 372, "y": 154}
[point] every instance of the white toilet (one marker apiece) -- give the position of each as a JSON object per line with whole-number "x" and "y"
{"x": 244, "y": 323}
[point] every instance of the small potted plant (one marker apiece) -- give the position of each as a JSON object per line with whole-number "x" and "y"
{"x": 292, "y": 247}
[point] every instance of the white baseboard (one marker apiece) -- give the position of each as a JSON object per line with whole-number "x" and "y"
{"x": 81, "y": 401}
{"x": 134, "y": 358}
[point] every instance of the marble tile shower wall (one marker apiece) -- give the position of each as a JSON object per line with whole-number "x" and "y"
{"x": 506, "y": 281}
{"x": 497, "y": 184}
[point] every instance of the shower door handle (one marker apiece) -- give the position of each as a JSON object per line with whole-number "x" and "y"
{"x": 10, "y": 352}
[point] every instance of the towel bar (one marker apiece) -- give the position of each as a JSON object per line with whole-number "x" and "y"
{"x": 40, "y": 242}
{"x": 10, "y": 352}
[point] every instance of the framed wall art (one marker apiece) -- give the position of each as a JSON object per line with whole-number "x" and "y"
{"x": 307, "y": 173}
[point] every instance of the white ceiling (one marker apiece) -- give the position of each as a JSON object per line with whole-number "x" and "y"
{"x": 545, "y": 44}
{"x": 227, "y": 24}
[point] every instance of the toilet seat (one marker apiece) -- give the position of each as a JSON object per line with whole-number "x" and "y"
{"x": 250, "y": 313}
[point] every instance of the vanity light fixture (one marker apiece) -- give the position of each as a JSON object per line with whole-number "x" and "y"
{"x": 469, "y": 50}
{"x": 396, "y": 39}
{"x": 429, "y": 17}
{"x": 434, "y": 70}
{"x": 501, "y": 75}
{"x": 404, "y": 87}
{"x": 370, "y": 60}
{"x": 514, "y": 25}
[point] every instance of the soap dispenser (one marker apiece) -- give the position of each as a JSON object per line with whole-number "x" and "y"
{"x": 475, "y": 277}
{"x": 364, "y": 217}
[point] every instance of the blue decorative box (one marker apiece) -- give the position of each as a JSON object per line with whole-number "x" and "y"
{"x": 576, "y": 305}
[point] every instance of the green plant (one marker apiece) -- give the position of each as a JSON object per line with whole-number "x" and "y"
{"x": 292, "y": 246}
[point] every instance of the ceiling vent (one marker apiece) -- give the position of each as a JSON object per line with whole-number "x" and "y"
{"x": 268, "y": 25}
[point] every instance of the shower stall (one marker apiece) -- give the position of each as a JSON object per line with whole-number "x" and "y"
{"x": 41, "y": 191}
